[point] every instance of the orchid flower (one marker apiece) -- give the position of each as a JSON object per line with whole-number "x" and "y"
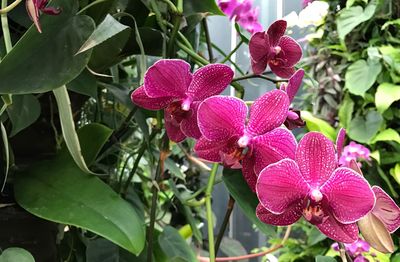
{"x": 242, "y": 12}
{"x": 170, "y": 85}
{"x": 275, "y": 49}
{"x": 354, "y": 151}
{"x": 312, "y": 186}
{"x": 35, "y": 7}
{"x": 293, "y": 119}
{"x": 356, "y": 250}
{"x": 251, "y": 144}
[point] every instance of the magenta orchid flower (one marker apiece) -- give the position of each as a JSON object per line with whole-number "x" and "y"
{"x": 386, "y": 210}
{"x": 293, "y": 119}
{"x": 275, "y": 49}
{"x": 170, "y": 85}
{"x": 354, "y": 151}
{"x": 312, "y": 186}
{"x": 356, "y": 250}
{"x": 35, "y": 7}
{"x": 251, "y": 144}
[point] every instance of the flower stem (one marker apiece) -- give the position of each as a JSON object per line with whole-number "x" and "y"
{"x": 208, "y": 40}
{"x": 5, "y": 28}
{"x": 229, "y": 209}
{"x": 174, "y": 33}
{"x": 210, "y": 223}
{"x": 6, "y": 9}
{"x": 232, "y": 52}
{"x": 249, "y": 76}
{"x": 192, "y": 54}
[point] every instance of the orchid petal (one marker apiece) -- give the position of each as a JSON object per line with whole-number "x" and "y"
{"x": 294, "y": 84}
{"x": 221, "y": 117}
{"x": 248, "y": 172}
{"x": 290, "y": 216}
{"x": 268, "y": 112}
{"x": 173, "y": 128}
{"x": 281, "y": 71}
{"x": 51, "y": 10}
{"x": 210, "y": 80}
{"x": 275, "y": 31}
{"x": 140, "y": 98}
{"x": 209, "y": 150}
{"x": 340, "y": 142}
{"x": 316, "y": 158}
{"x": 259, "y": 52}
{"x": 280, "y": 185}
{"x": 33, "y": 13}
{"x": 337, "y": 231}
{"x": 168, "y": 77}
{"x": 349, "y": 195}
{"x": 386, "y": 209}
{"x": 290, "y": 52}
{"x": 189, "y": 125}
{"x": 272, "y": 147}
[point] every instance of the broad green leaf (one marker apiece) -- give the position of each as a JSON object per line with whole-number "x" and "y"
{"x": 43, "y": 62}
{"x": 376, "y": 155}
{"x": 350, "y": 18}
{"x": 16, "y": 254}
{"x": 387, "y": 135}
{"x": 203, "y": 6}
{"x": 324, "y": 259}
{"x": 385, "y": 95}
{"x": 233, "y": 248}
{"x": 175, "y": 246}
{"x": 395, "y": 172}
{"x": 107, "y": 29}
{"x": 23, "y": 112}
{"x": 346, "y": 111}
{"x": 363, "y": 129}
{"x": 57, "y": 190}
{"x": 391, "y": 22}
{"x": 85, "y": 84}
{"x": 315, "y": 124}
{"x": 68, "y": 127}
{"x": 102, "y": 250}
{"x": 245, "y": 198}
{"x": 361, "y": 75}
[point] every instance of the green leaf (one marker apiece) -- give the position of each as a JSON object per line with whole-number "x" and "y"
{"x": 23, "y": 112}
{"x": 387, "y": 135}
{"x": 361, "y": 75}
{"x": 245, "y": 198}
{"x": 385, "y": 95}
{"x": 314, "y": 236}
{"x": 350, "y": 18}
{"x": 363, "y": 129}
{"x": 233, "y": 248}
{"x": 395, "y": 172}
{"x": 101, "y": 249}
{"x": 391, "y": 22}
{"x": 16, "y": 254}
{"x": 203, "y": 6}
{"x": 85, "y": 84}
{"x": 324, "y": 259}
{"x": 315, "y": 124}
{"x": 346, "y": 111}
{"x": 174, "y": 246}
{"x": 68, "y": 127}
{"x": 57, "y": 190}
{"x": 43, "y": 62}
{"x": 107, "y": 29}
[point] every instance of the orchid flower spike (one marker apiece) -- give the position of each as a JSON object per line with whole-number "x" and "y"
{"x": 170, "y": 85}
{"x": 312, "y": 186}
{"x": 35, "y": 7}
{"x": 293, "y": 119}
{"x": 239, "y": 141}
{"x": 275, "y": 49}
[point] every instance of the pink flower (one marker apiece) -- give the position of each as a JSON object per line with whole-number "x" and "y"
{"x": 312, "y": 186}
{"x": 353, "y": 151}
{"x": 35, "y": 7}
{"x": 293, "y": 119}
{"x": 356, "y": 250}
{"x": 170, "y": 85}
{"x": 275, "y": 49}
{"x": 305, "y": 3}
{"x": 386, "y": 210}
{"x": 242, "y": 12}
{"x": 251, "y": 144}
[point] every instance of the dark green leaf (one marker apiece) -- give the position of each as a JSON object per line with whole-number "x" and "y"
{"x": 85, "y": 84}
{"x": 43, "y": 62}
{"x": 203, "y": 6}
{"x": 59, "y": 191}
{"x": 232, "y": 248}
{"x": 16, "y": 254}
{"x": 174, "y": 246}
{"x": 23, "y": 112}
{"x": 245, "y": 198}
{"x": 324, "y": 259}
{"x": 363, "y": 129}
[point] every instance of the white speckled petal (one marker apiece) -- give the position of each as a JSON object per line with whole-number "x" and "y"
{"x": 338, "y": 231}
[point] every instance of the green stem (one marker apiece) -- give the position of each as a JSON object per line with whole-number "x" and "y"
{"x": 171, "y": 6}
{"x": 229, "y": 209}
{"x": 171, "y": 41}
{"x": 230, "y": 60}
{"x": 6, "y": 9}
{"x": 201, "y": 60}
{"x": 232, "y": 52}
{"x": 90, "y": 5}
{"x": 4, "y": 27}
{"x": 210, "y": 223}
{"x": 258, "y": 76}
{"x": 157, "y": 12}
{"x": 208, "y": 40}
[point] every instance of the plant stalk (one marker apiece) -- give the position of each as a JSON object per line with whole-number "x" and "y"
{"x": 232, "y": 52}
{"x": 208, "y": 40}
{"x": 210, "y": 223}
{"x": 229, "y": 209}
{"x": 10, "y": 7}
{"x": 249, "y": 76}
